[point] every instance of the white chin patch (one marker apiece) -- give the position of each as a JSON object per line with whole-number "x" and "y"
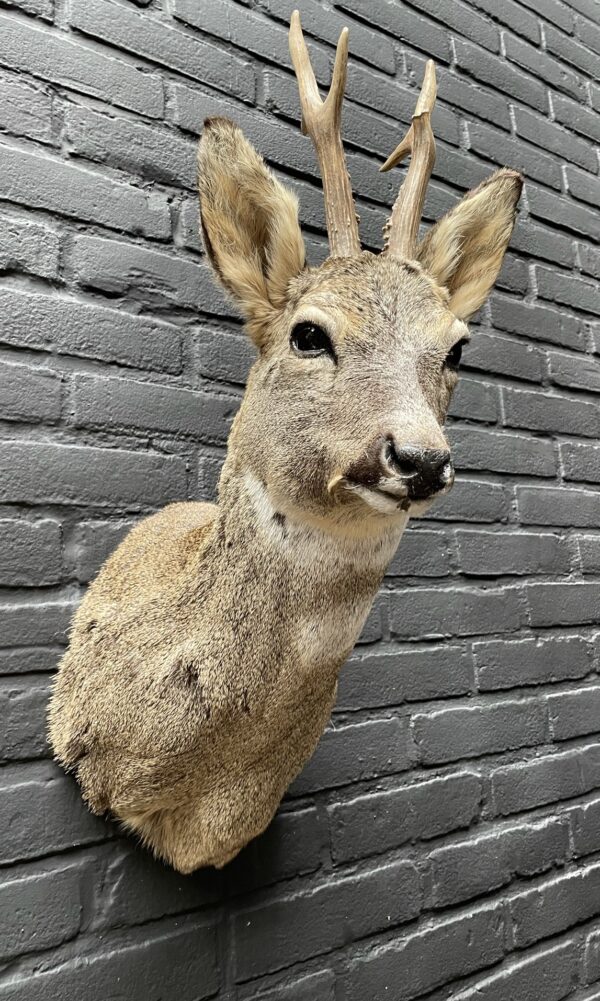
{"x": 379, "y": 502}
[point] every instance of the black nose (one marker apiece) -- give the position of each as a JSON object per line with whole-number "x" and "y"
{"x": 425, "y": 470}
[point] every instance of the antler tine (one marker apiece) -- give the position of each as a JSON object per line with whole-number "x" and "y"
{"x": 321, "y": 120}
{"x": 402, "y": 229}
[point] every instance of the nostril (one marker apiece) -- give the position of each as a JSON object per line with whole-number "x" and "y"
{"x": 402, "y": 460}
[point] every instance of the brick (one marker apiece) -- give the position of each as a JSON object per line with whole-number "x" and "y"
{"x": 575, "y": 713}
{"x": 464, "y": 20}
{"x": 585, "y": 820}
{"x": 501, "y": 452}
{"x": 422, "y": 554}
{"x": 589, "y": 260}
{"x": 545, "y": 976}
{"x": 92, "y": 544}
{"x": 591, "y": 958}
{"x": 29, "y": 247}
{"x": 574, "y": 371}
{"x": 501, "y": 664}
{"x": 471, "y": 500}
{"x": 350, "y": 753}
{"x": 537, "y": 321}
{"x": 495, "y": 146}
{"x": 562, "y": 604}
{"x": 475, "y": 401}
{"x": 492, "y": 554}
{"x": 553, "y": 10}
{"x": 39, "y": 910}
{"x": 554, "y": 73}
{"x": 23, "y": 704}
{"x": 30, "y": 552}
{"x": 163, "y": 44}
{"x": 308, "y": 924}
{"x": 130, "y": 888}
{"x": 553, "y": 138}
{"x": 23, "y": 660}
{"x": 42, "y": 812}
{"x": 39, "y": 182}
{"x": 39, "y": 8}
{"x": 55, "y": 57}
{"x": 580, "y": 462}
{"x": 127, "y": 403}
{"x": 557, "y": 506}
{"x": 405, "y": 25}
{"x": 178, "y": 959}
{"x": 589, "y": 553}
{"x": 42, "y": 473}
{"x": 460, "y": 92}
{"x": 572, "y": 52}
{"x": 371, "y": 824}
{"x": 421, "y": 612}
{"x": 25, "y": 109}
{"x": 142, "y": 150}
{"x": 474, "y": 730}
{"x": 223, "y": 355}
{"x": 539, "y": 241}
{"x": 477, "y": 865}
{"x": 314, "y": 987}
{"x": 66, "y": 325}
{"x": 498, "y": 73}
{"x": 163, "y": 279}
{"x": 543, "y": 412}
{"x": 396, "y": 675}
{"x": 561, "y": 211}
{"x": 527, "y": 784}
{"x": 414, "y": 964}
{"x": 567, "y": 290}
{"x": 558, "y": 904}
{"x": 512, "y": 15}
{"x": 582, "y": 186}
{"x": 35, "y": 623}
{"x": 29, "y": 394}
{"x": 576, "y": 117}
{"x": 291, "y": 846}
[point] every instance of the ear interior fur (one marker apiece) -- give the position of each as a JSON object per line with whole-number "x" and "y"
{"x": 249, "y": 223}
{"x": 464, "y": 250}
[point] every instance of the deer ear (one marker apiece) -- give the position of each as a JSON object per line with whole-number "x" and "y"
{"x": 465, "y": 248}
{"x": 249, "y": 223}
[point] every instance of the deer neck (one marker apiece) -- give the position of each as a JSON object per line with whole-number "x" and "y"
{"x": 314, "y": 586}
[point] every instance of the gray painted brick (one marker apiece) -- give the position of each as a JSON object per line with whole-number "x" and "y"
{"x": 347, "y": 753}
{"x": 432, "y": 612}
{"x": 496, "y": 72}
{"x": 470, "y": 731}
{"x": 526, "y": 784}
{"x": 404, "y": 24}
{"x": 547, "y": 975}
{"x": 77, "y": 474}
{"x": 542, "y": 412}
{"x": 119, "y": 403}
{"x": 67, "y": 325}
{"x": 574, "y": 371}
{"x": 557, "y": 209}
{"x": 558, "y": 506}
{"x": 472, "y": 500}
{"x": 577, "y": 117}
{"x": 540, "y": 322}
{"x": 586, "y": 828}
{"x": 563, "y": 901}
{"x": 501, "y": 664}
{"x": 23, "y": 704}
{"x": 28, "y": 246}
{"x": 92, "y": 544}
{"x": 396, "y": 675}
{"x": 167, "y": 46}
{"x": 589, "y": 553}
{"x": 552, "y": 137}
{"x": 486, "y": 862}
{"x": 492, "y": 554}
{"x": 554, "y": 73}
{"x": 30, "y": 552}
{"x": 563, "y": 604}
{"x": 308, "y": 924}
{"x": 573, "y": 714}
{"x": 56, "y": 186}
{"x": 580, "y": 461}
{"x": 39, "y": 910}
{"x": 35, "y": 623}
{"x": 494, "y": 146}
{"x": 62, "y": 60}
{"x": 415, "y": 964}
{"x": 501, "y": 452}
{"x": 25, "y": 109}
{"x": 422, "y": 554}
{"x": 314, "y": 987}
{"x": 29, "y": 394}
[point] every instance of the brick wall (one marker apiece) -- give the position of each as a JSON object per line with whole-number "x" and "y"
{"x": 445, "y": 839}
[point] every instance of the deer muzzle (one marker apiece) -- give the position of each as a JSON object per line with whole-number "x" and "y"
{"x": 403, "y": 472}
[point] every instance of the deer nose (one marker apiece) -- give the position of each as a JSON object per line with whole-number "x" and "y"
{"x": 425, "y": 471}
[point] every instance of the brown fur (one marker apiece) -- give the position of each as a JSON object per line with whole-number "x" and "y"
{"x": 204, "y": 658}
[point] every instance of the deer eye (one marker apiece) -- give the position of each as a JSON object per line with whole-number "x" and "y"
{"x": 453, "y": 357}
{"x": 311, "y": 340}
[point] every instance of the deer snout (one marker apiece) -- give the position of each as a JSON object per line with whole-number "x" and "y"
{"x": 424, "y": 471}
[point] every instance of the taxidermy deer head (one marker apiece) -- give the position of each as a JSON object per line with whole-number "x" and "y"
{"x": 204, "y": 659}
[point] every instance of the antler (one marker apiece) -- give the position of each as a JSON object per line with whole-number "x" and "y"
{"x": 321, "y": 120}
{"x": 403, "y": 227}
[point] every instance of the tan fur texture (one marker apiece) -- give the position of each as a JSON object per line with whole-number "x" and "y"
{"x": 203, "y": 661}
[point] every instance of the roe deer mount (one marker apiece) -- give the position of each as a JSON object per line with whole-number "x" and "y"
{"x": 203, "y": 661}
